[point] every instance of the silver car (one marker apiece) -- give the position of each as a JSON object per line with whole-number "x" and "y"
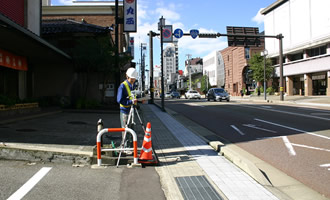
{"x": 192, "y": 94}
{"x": 217, "y": 94}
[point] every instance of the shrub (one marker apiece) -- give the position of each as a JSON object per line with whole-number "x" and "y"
{"x": 270, "y": 90}
{"x": 4, "y": 100}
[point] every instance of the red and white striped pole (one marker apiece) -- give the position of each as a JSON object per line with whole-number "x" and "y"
{"x": 106, "y": 130}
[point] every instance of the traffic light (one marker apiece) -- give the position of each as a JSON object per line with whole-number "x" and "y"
{"x": 207, "y": 35}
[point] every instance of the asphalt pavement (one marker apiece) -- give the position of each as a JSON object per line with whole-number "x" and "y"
{"x": 188, "y": 168}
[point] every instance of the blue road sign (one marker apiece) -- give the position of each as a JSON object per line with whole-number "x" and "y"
{"x": 194, "y": 33}
{"x": 178, "y": 33}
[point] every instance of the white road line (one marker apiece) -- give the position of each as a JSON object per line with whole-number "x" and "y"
{"x": 239, "y": 131}
{"x": 194, "y": 104}
{"x": 310, "y": 147}
{"x": 325, "y": 166}
{"x": 301, "y": 131}
{"x": 20, "y": 193}
{"x": 255, "y": 127}
{"x": 290, "y": 113}
{"x": 288, "y": 145}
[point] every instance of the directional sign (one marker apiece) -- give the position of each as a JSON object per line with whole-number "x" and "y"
{"x": 194, "y": 33}
{"x": 178, "y": 33}
{"x": 167, "y": 34}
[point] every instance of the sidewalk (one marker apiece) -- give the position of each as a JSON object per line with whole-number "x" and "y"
{"x": 186, "y": 157}
{"x": 318, "y": 101}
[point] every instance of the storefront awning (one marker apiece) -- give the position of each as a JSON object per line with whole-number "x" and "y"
{"x": 22, "y": 42}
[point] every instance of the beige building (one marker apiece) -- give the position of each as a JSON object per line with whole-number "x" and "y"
{"x": 305, "y": 26}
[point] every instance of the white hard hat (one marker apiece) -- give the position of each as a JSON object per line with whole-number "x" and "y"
{"x": 131, "y": 73}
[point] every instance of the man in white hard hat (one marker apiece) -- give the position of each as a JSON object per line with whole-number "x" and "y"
{"x": 124, "y": 97}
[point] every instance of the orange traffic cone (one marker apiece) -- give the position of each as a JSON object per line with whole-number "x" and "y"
{"x": 146, "y": 152}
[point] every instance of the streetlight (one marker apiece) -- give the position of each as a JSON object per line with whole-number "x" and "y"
{"x": 264, "y": 54}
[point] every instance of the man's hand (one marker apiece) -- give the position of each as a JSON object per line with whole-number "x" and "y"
{"x": 135, "y": 101}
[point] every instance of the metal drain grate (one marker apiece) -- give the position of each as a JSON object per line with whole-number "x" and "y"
{"x": 196, "y": 187}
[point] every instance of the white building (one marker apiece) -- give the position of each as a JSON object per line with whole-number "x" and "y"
{"x": 214, "y": 69}
{"x": 169, "y": 63}
{"x": 195, "y": 64}
{"x": 305, "y": 25}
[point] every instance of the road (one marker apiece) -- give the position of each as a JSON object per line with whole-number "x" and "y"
{"x": 294, "y": 139}
{"x": 40, "y": 181}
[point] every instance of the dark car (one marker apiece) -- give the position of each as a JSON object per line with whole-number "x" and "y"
{"x": 217, "y": 94}
{"x": 175, "y": 95}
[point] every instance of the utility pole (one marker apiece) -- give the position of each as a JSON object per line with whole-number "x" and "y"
{"x": 117, "y": 42}
{"x": 189, "y": 70}
{"x": 142, "y": 66}
{"x": 151, "y": 64}
{"x": 265, "y": 53}
{"x": 280, "y": 37}
{"x": 161, "y": 25}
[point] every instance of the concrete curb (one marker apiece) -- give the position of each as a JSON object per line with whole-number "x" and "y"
{"x": 46, "y": 153}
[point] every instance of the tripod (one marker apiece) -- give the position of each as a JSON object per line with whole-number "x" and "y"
{"x": 130, "y": 122}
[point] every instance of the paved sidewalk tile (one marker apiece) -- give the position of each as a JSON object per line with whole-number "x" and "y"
{"x": 183, "y": 147}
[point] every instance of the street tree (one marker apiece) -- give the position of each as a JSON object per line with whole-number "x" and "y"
{"x": 205, "y": 84}
{"x": 256, "y": 64}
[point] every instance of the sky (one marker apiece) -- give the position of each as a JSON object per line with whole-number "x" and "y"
{"x": 208, "y": 16}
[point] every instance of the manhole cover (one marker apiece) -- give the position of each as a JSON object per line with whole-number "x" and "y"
{"x": 197, "y": 187}
{"x": 26, "y": 130}
{"x": 77, "y": 122}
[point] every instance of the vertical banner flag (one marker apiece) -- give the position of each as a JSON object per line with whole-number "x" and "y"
{"x": 131, "y": 46}
{"x": 130, "y": 9}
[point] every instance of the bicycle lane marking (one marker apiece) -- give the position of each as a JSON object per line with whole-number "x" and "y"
{"x": 298, "y": 130}
{"x": 285, "y": 112}
{"x": 20, "y": 193}
{"x": 290, "y": 145}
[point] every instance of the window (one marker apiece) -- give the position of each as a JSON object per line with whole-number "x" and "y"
{"x": 297, "y": 56}
{"x": 317, "y": 51}
{"x": 247, "y": 52}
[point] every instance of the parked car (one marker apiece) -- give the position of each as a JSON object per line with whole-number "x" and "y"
{"x": 175, "y": 95}
{"x": 167, "y": 95}
{"x": 217, "y": 94}
{"x": 192, "y": 94}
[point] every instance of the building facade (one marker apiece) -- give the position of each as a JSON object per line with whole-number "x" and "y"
{"x": 214, "y": 68}
{"x": 235, "y": 60}
{"x": 25, "y": 73}
{"x": 169, "y": 63}
{"x": 305, "y": 26}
